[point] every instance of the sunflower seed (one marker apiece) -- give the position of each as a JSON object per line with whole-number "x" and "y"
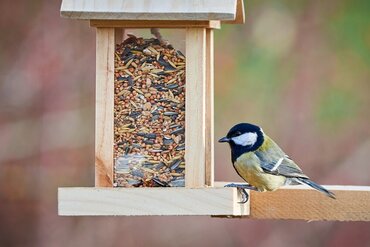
{"x": 175, "y": 164}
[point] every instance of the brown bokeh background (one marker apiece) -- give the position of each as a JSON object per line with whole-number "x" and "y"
{"x": 300, "y": 69}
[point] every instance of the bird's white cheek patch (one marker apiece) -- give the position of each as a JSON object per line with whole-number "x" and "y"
{"x": 247, "y": 139}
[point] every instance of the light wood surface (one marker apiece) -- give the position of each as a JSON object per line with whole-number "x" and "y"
{"x": 240, "y": 15}
{"x": 149, "y": 201}
{"x": 195, "y": 107}
{"x": 105, "y": 43}
{"x": 157, "y": 24}
{"x": 209, "y": 108}
{"x": 299, "y": 202}
{"x": 149, "y": 9}
{"x": 291, "y": 202}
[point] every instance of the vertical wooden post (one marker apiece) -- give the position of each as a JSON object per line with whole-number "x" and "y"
{"x": 195, "y": 107}
{"x": 105, "y": 43}
{"x": 209, "y": 108}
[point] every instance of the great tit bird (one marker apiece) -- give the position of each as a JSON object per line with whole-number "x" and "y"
{"x": 261, "y": 162}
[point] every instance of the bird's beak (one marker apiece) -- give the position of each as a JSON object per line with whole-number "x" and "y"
{"x": 224, "y": 139}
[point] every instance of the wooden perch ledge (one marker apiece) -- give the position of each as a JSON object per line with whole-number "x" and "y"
{"x": 293, "y": 202}
{"x": 300, "y": 202}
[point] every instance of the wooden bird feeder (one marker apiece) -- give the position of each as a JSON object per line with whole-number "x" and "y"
{"x": 121, "y": 71}
{"x": 154, "y": 120}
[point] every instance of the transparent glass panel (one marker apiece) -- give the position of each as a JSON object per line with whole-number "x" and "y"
{"x": 149, "y": 109}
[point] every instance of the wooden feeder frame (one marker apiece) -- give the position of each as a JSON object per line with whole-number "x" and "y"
{"x": 201, "y": 195}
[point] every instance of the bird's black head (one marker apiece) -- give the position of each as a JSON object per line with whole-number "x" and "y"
{"x": 243, "y": 138}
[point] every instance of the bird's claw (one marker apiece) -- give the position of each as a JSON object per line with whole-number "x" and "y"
{"x": 245, "y": 196}
{"x": 242, "y": 190}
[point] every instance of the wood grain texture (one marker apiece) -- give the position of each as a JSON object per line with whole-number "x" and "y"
{"x": 303, "y": 203}
{"x": 157, "y": 24}
{"x": 209, "y": 119}
{"x": 105, "y": 43}
{"x": 299, "y": 202}
{"x": 118, "y": 35}
{"x": 149, "y": 201}
{"x": 240, "y": 14}
{"x": 291, "y": 202}
{"x": 195, "y": 107}
{"x": 149, "y": 9}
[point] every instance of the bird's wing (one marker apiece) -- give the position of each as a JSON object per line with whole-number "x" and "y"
{"x": 283, "y": 166}
{"x": 274, "y": 161}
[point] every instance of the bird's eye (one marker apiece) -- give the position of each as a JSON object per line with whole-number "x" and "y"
{"x": 237, "y": 133}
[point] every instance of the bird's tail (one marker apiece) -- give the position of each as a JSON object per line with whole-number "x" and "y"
{"x": 316, "y": 187}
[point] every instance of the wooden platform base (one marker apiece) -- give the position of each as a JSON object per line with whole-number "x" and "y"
{"x": 292, "y": 202}
{"x": 150, "y": 201}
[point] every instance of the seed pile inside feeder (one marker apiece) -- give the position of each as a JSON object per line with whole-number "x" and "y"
{"x": 149, "y": 114}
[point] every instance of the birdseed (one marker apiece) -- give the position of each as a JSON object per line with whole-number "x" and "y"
{"x": 149, "y": 114}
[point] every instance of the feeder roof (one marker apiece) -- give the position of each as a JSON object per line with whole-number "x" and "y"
{"x": 229, "y": 11}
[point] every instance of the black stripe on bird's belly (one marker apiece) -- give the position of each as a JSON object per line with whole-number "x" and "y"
{"x": 237, "y": 150}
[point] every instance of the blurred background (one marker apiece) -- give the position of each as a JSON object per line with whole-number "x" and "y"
{"x": 300, "y": 69}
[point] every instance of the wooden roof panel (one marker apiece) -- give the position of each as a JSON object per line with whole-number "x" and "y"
{"x": 192, "y": 10}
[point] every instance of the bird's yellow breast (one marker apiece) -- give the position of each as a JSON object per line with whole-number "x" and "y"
{"x": 248, "y": 167}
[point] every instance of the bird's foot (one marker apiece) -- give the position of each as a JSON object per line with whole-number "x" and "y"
{"x": 243, "y": 186}
{"x": 245, "y": 196}
{"x": 242, "y": 190}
